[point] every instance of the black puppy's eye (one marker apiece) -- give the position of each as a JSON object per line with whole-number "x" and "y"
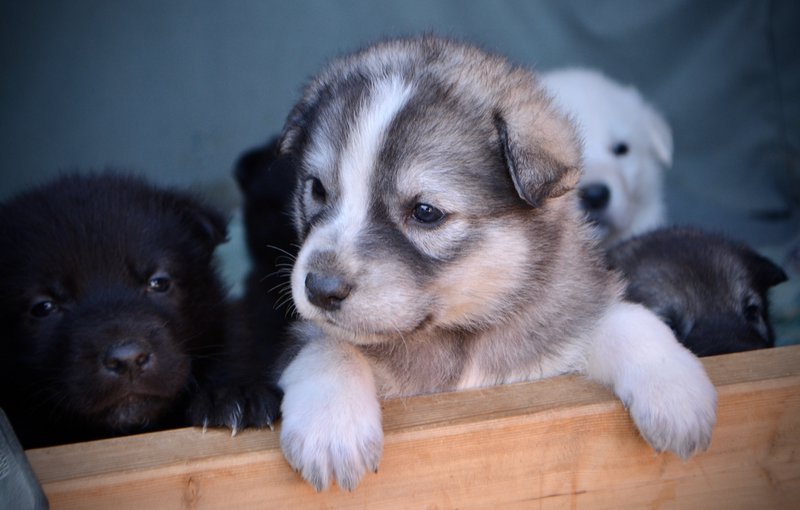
{"x": 159, "y": 283}
{"x": 427, "y": 214}
{"x": 44, "y": 308}
{"x": 752, "y": 312}
{"x": 620, "y": 149}
{"x": 318, "y": 192}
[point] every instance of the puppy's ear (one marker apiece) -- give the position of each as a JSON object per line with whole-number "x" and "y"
{"x": 253, "y": 163}
{"x": 208, "y": 224}
{"x": 765, "y": 273}
{"x": 296, "y": 129}
{"x": 541, "y": 152}
{"x": 659, "y": 133}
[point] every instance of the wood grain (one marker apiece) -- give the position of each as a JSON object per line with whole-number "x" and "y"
{"x": 557, "y": 443}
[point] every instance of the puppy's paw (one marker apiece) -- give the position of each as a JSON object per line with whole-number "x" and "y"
{"x": 663, "y": 385}
{"x": 674, "y": 407}
{"x": 334, "y": 445}
{"x": 236, "y": 406}
{"x": 331, "y": 425}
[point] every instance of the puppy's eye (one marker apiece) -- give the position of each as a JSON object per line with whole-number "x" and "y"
{"x": 620, "y": 149}
{"x": 427, "y": 214}
{"x": 752, "y": 312}
{"x": 159, "y": 283}
{"x": 43, "y": 309}
{"x": 318, "y": 192}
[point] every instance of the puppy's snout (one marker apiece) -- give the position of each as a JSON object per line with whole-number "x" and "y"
{"x": 595, "y": 197}
{"x": 327, "y": 291}
{"x": 132, "y": 358}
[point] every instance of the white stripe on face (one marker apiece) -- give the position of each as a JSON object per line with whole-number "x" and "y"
{"x": 359, "y": 158}
{"x": 357, "y": 163}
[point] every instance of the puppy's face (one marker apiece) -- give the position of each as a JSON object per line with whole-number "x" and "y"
{"x": 107, "y": 290}
{"x": 712, "y": 292}
{"x": 626, "y": 145}
{"x": 406, "y": 204}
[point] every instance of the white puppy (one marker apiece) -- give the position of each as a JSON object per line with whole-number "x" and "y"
{"x": 627, "y": 144}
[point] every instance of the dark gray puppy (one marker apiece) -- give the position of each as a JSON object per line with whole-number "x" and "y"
{"x": 711, "y": 290}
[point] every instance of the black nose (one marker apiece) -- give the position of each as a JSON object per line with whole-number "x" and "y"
{"x": 326, "y": 291}
{"x": 128, "y": 358}
{"x": 595, "y": 197}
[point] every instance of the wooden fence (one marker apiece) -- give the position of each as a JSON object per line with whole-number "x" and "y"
{"x": 557, "y": 443}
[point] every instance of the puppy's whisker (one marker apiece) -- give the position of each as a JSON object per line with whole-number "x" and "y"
{"x": 289, "y": 254}
{"x": 291, "y": 311}
{"x": 281, "y": 286}
{"x": 283, "y": 302}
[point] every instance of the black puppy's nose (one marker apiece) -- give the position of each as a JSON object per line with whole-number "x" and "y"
{"x": 326, "y": 291}
{"x": 128, "y": 357}
{"x": 595, "y": 197}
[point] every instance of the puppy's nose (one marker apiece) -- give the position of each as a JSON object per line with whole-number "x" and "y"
{"x": 128, "y": 358}
{"x": 326, "y": 291}
{"x": 595, "y": 197}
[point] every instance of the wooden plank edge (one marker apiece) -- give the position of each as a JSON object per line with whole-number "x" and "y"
{"x": 90, "y": 467}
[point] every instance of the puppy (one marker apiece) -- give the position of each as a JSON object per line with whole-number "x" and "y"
{"x": 710, "y": 290}
{"x": 443, "y": 248}
{"x": 267, "y": 185}
{"x": 113, "y": 317}
{"x": 627, "y": 145}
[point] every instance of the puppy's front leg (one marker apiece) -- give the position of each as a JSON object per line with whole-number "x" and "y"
{"x": 663, "y": 385}
{"x": 331, "y": 414}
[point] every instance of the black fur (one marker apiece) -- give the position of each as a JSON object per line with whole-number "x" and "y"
{"x": 113, "y": 317}
{"x": 267, "y": 184}
{"x": 710, "y": 290}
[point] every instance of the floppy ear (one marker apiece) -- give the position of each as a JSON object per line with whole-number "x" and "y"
{"x": 659, "y": 133}
{"x": 541, "y": 153}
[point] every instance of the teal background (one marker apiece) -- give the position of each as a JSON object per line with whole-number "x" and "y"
{"x": 178, "y": 89}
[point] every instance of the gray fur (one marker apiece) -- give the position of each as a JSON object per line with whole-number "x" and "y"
{"x": 506, "y": 285}
{"x": 712, "y": 291}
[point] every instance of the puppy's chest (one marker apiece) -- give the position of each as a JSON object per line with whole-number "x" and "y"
{"x": 414, "y": 366}
{"x": 454, "y": 362}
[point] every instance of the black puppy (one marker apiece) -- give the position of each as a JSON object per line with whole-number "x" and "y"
{"x": 113, "y": 318}
{"x": 710, "y": 290}
{"x": 267, "y": 185}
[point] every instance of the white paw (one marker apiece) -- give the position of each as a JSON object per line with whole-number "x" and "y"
{"x": 334, "y": 446}
{"x": 663, "y": 385}
{"x": 331, "y": 428}
{"x": 675, "y": 408}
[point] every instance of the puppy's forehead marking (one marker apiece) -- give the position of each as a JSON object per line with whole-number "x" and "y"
{"x": 321, "y": 156}
{"x": 360, "y": 157}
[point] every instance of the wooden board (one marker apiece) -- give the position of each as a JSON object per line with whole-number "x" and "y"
{"x": 557, "y": 443}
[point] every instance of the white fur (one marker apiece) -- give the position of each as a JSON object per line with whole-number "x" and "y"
{"x": 359, "y": 158}
{"x": 664, "y": 386}
{"x": 357, "y": 164}
{"x": 608, "y": 113}
{"x": 331, "y": 415}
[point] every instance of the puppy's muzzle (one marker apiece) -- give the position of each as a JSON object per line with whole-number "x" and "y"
{"x": 327, "y": 291}
{"x": 130, "y": 358}
{"x": 595, "y": 197}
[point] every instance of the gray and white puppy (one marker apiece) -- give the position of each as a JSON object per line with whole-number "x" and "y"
{"x": 443, "y": 248}
{"x": 712, "y": 291}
